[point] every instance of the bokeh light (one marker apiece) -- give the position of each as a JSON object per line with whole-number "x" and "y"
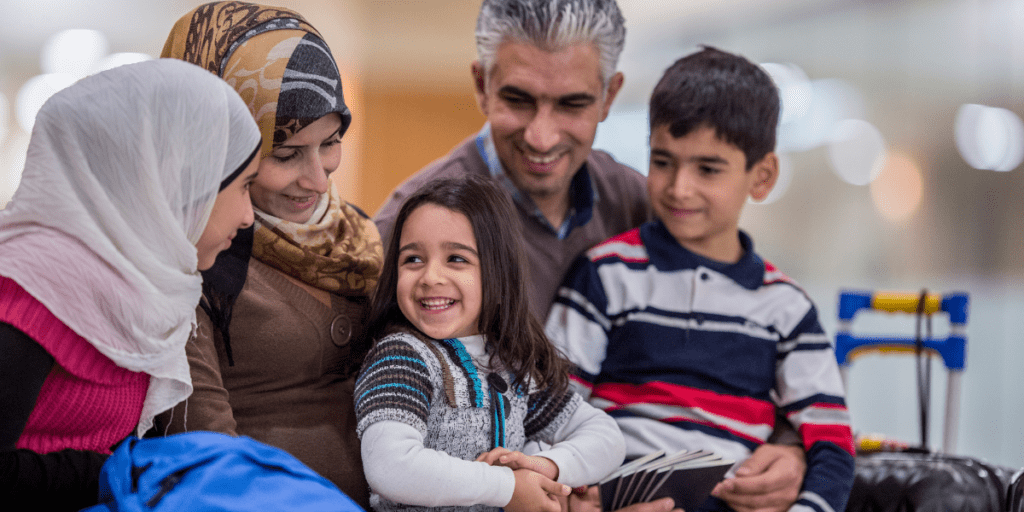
{"x": 898, "y": 190}
{"x": 856, "y": 150}
{"x": 989, "y": 138}
{"x": 831, "y": 101}
{"x": 795, "y": 90}
{"x": 34, "y": 93}
{"x": 73, "y": 52}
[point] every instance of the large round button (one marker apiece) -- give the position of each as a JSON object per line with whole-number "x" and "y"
{"x": 497, "y": 382}
{"x": 341, "y": 330}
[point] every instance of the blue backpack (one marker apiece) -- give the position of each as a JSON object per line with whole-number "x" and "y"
{"x": 212, "y": 471}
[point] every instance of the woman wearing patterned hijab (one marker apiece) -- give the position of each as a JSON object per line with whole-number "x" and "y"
{"x": 135, "y": 179}
{"x": 281, "y": 327}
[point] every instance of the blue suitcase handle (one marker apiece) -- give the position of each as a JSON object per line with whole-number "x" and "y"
{"x": 952, "y": 349}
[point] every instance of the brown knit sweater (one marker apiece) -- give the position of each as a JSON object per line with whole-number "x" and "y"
{"x": 292, "y": 382}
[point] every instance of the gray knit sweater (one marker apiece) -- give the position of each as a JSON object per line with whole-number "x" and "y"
{"x": 442, "y": 391}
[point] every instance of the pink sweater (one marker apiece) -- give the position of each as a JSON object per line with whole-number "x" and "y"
{"x": 87, "y": 402}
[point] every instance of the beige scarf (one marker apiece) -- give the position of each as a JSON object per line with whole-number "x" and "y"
{"x": 338, "y": 249}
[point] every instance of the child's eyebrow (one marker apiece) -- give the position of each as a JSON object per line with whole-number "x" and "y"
{"x": 713, "y": 159}
{"x": 458, "y": 246}
{"x": 703, "y": 159}
{"x": 662, "y": 152}
{"x": 409, "y": 247}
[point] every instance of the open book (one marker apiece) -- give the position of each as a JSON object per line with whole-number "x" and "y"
{"x": 687, "y": 477}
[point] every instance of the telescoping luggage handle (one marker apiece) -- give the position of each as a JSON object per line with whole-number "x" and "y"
{"x": 952, "y": 349}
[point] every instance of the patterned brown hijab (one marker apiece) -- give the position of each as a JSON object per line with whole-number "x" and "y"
{"x": 285, "y": 72}
{"x": 275, "y": 59}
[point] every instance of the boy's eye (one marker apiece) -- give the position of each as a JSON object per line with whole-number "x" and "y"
{"x": 330, "y": 142}
{"x": 659, "y": 163}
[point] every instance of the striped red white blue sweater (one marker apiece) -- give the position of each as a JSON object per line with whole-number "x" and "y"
{"x": 687, "y": 352}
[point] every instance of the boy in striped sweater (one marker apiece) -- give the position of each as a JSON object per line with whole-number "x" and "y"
{"x": 677, "y": 328}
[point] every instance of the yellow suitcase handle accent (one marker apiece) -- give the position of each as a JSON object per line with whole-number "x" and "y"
{"x": 904, "y": 302}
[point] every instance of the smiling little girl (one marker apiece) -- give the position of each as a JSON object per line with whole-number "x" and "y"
{"x": 461, "y": 375}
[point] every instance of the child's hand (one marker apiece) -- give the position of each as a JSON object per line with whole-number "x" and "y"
{"x": 492, "y": 456}
{"x": 519, "y": 460}
{"x": 535, "y": 493}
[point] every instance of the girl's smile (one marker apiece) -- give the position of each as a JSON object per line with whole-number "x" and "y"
{"x": 436, "y": 304}
{"x": 439, "y": 289}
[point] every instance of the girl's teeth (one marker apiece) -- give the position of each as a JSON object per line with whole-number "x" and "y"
{"x": 436, "y": 303}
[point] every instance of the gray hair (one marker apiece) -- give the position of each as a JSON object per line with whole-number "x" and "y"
{"x": 552, "y": 25}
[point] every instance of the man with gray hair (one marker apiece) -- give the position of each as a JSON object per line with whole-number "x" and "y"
{"x": 546, "y": 76}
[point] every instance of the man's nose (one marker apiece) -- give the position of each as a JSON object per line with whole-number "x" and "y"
{"x": 542, "y": 133}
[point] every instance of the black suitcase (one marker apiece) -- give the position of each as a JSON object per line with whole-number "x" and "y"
{"x": 915, "y": 479}
{"x": 930, "y": 482}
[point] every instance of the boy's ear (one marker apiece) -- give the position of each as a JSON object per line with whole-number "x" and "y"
{"x": 766, "y": 173}
{"x": 480, "y": 84}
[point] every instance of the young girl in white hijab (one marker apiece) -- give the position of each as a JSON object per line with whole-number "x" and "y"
{"x": 135, "y": 179}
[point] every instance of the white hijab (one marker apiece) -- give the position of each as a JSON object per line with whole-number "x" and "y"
{"x": 122, "y": 171}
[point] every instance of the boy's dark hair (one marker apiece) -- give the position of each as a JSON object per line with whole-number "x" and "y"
{"x": 515, "y": 338}
{"x": 721, "y": 90}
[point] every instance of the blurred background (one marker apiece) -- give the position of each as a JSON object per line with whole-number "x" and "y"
{"x": 901, "y": 141}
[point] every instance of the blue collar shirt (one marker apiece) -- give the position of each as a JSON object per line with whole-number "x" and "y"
{"x": 582, "y": 195}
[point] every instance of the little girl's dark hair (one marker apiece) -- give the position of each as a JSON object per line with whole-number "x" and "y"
{"x": 515, "y": 338}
